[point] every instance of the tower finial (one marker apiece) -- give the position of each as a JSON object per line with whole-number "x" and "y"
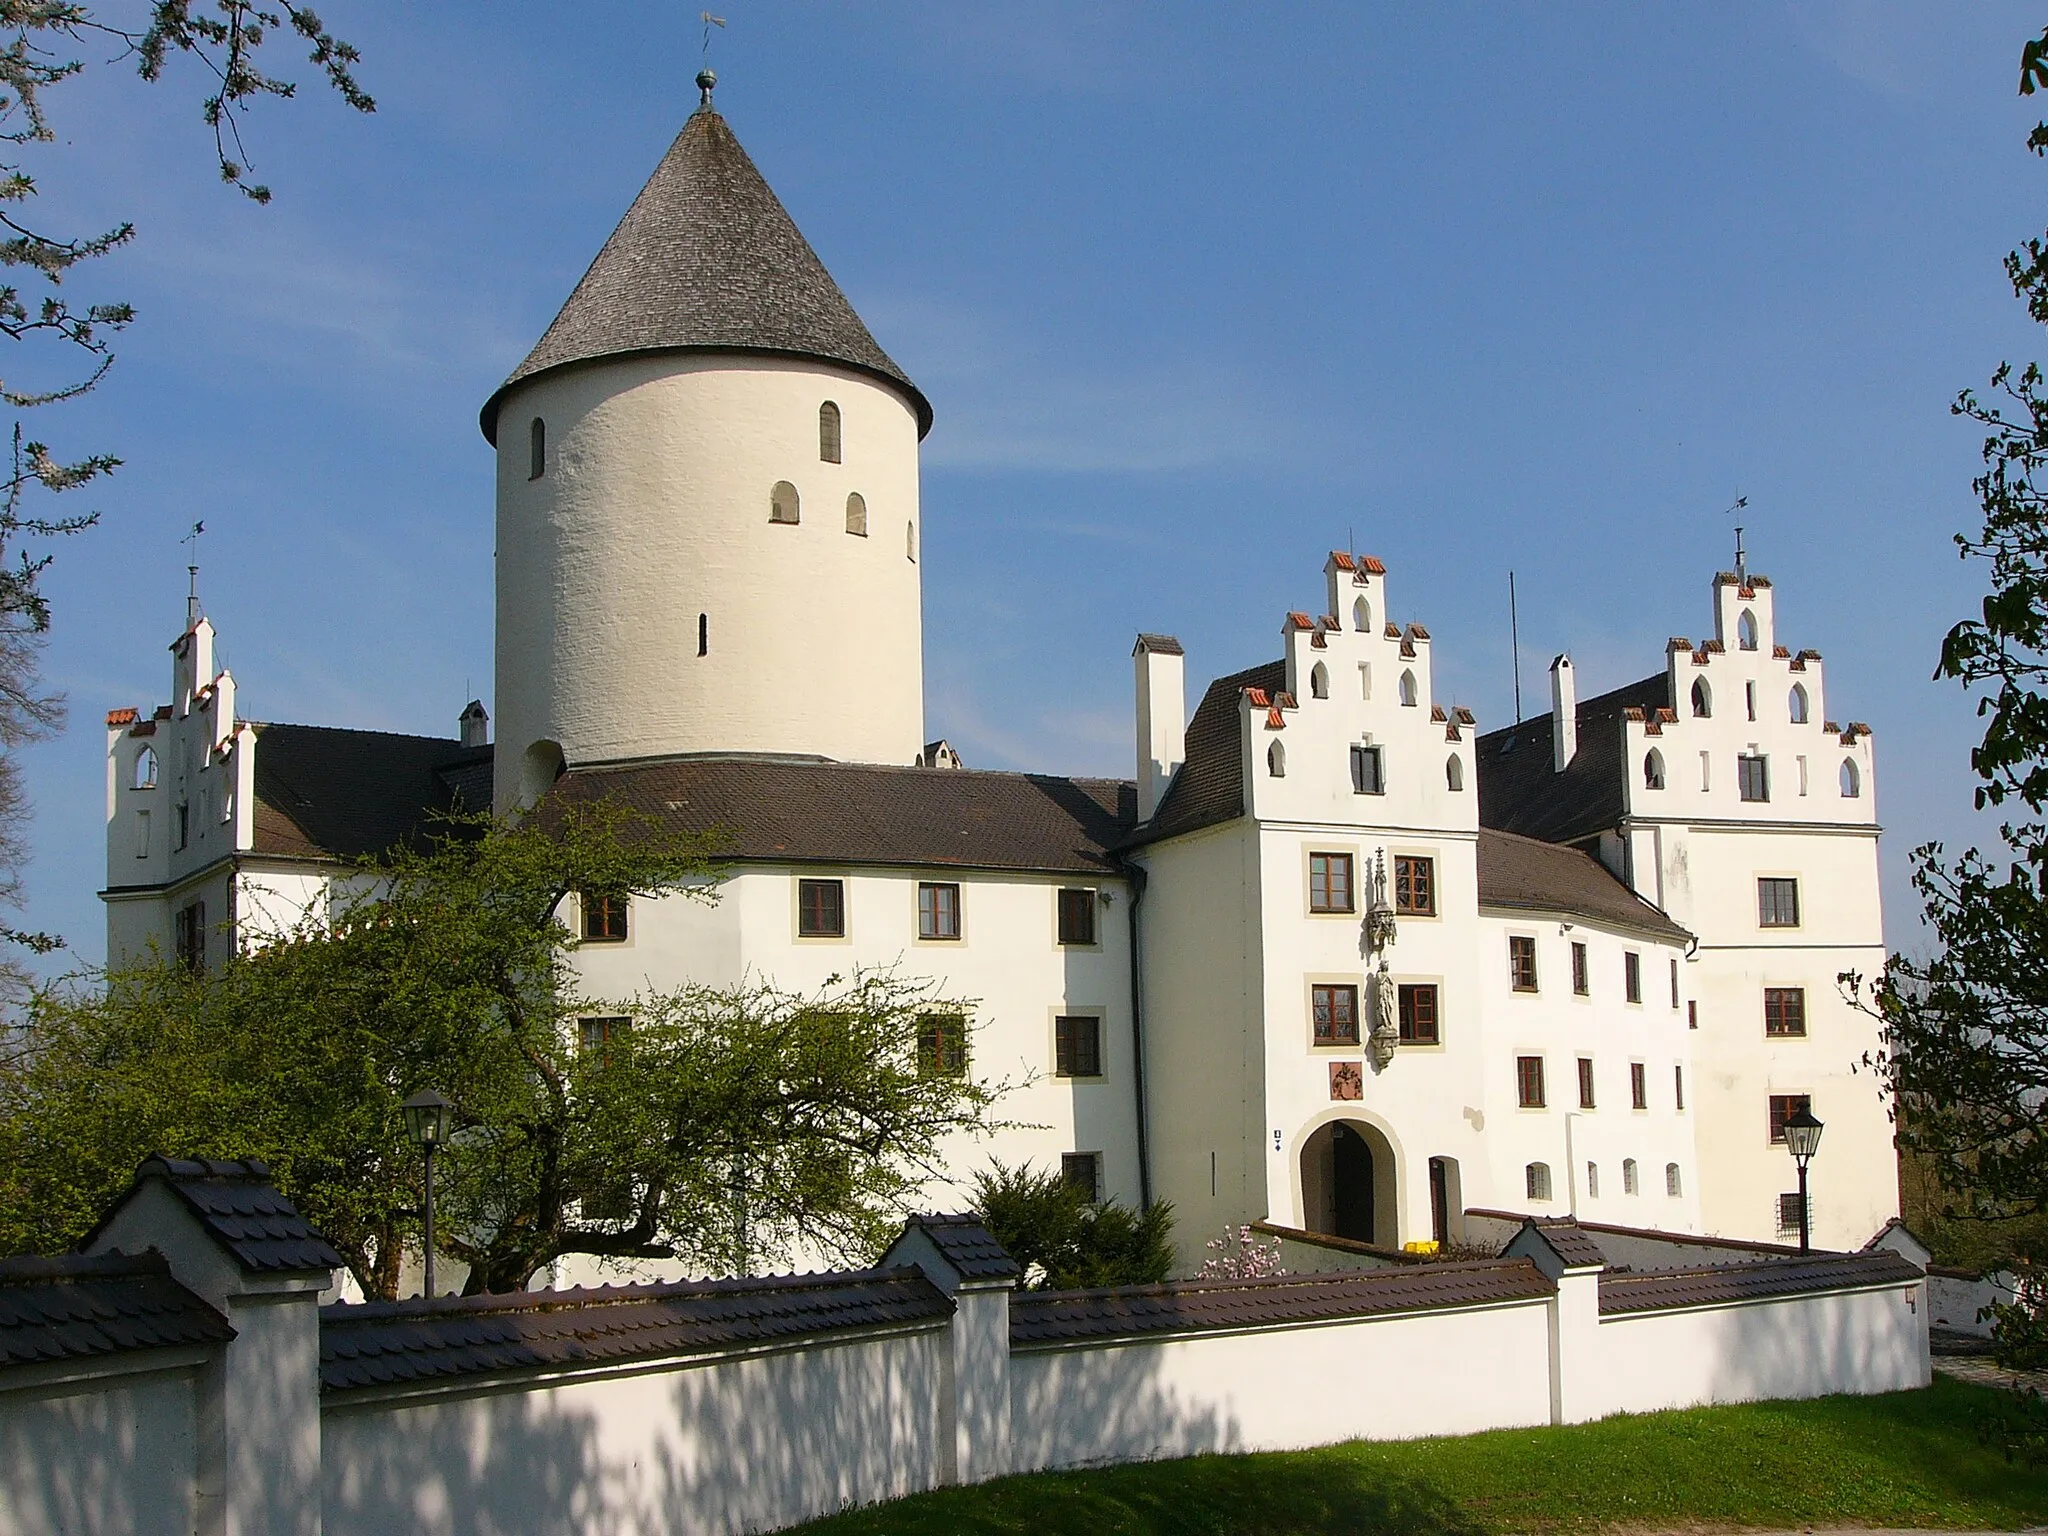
{"x": 706, "y": 82}
{"x": 192, "y": 575}
{"x": 1741, "y": 558}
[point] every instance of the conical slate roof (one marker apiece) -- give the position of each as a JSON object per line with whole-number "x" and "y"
{"x": 707, "y": 258}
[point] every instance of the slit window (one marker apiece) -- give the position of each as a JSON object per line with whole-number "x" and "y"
{"x": 1678, "y": 1089}
{"x": 1336, "y": 1014}
{"x": 703, "y": 634}
{"x": 536, "y": 449}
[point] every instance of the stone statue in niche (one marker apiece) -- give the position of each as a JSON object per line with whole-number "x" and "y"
{"x": 1386, "y": 1028}
{"x": 1347, "y": 1080}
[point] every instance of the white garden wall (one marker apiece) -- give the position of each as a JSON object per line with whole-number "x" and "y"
{"x": 102, "y": 1456}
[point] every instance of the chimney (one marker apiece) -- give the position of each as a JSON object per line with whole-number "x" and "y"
{"x": 1162, "y": 718}
{"x": 476, "y": 725}
{"x": 1564, "y": 715}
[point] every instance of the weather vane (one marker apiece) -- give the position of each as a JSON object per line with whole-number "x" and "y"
{"x": 1741, "y": 566}
{"x": 706, "y": 78}
{"x": 192, "y": 574}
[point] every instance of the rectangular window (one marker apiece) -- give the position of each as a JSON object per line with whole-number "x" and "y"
{"x": 1586, "y": 1082}
{"x": 1083, "y": 1171}
{"x": 1582, "y": 982}
{"x": 1529, "y": 1081}
{"x": 1785, "y": 1013}
{"x": 1521, "y": 962}
{"x": 1706, "y": 772}
{"x": 1329, "y": 882}
{"x": 1077, "y": 917}
{"x": 1788, "y": 1214}
{"x": 1336, "y": 1014}
{"x": 1536, "y": 1179}
{"x": 1414, "y": 885}
{"x": 1752, "y": 777}
{"x": 938, "y": 910}
{"x": 1674, "y": 981}
{"x": 1418, "y": 1017}
{"x": 1628, "y": 1176}
{"x": 595, "y": 1035}
{"x": 942, "y": 1045}
{"x": 1783, "y": 1107}
{"x": 1592, "y": 1181}
{"x": 1674, "y": 1184}
{"x": 191, "y": 936}
{"x": 1077, "y": 1046}
{"x": 1777, "y": 903}
{"x": 142, "y": 834}
{"x": 1638, "y": 1085}
{"x": 604, "y": 917}
{"x": 1368, "y": 775}
{"x": 1632, "y": 976}
{"x": 184, "y": 813}
{"x": 821, "y": 909}
{"x": 1678, "y": 1088}
{"x": 1692, "y": 1013}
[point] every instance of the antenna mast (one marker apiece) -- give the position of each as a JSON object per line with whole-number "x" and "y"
{"x": 1515, "y": 644}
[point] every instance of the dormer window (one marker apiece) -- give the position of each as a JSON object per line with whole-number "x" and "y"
{"x": 1745, "y": 631}
{"x": 828, "y": 433}
{"x": 783, "y": 506}
{"x": 145, "y": 769}
{"x": 537, "y": 449}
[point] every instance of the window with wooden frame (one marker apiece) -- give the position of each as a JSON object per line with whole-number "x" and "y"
{"x": 942, "y": 1045}
{"x": 1077, "y": 1046}
{"x": 1582, "y": 980}
{"x": 1638, "y": 1085}
{"x": 1414, "y": 885}
{"x": 1536, "y": 1180}
{"x": 938, "y": 910}
{"x": 1416, "y": 1013}
{"x": 1783, "y": 1107}
{"x": 1077, "y": 917}
{"x": 604, "y": 917}
{"x": 1529, "y": 1081}
{"x": 1777, "y": 902}
{"x": 1082, "y": 1171}
{"x": 594, "y": 1035}
{"x": 821, "y": 909}
{"x": 1368, "y": 771}
{"x": 1329, "y": 882}
{"x": 1674, "y": 981}
{"x": 1335, "y": 1011}
{"x": 1586, "y": 1100}
{"x": 1785, "y": 1013}
{"x": 191, "y": 936}
{"x": 1753, "y": 777}
{"x": 1522, "y": 962}
{"x": 1632, "y": 976}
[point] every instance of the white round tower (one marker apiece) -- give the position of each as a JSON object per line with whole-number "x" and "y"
{"x": 708, "y": 530}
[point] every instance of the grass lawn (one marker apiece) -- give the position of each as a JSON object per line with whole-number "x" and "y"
{"x": 1908, "y": 1459}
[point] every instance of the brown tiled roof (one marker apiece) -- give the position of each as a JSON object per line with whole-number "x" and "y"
{"x": 75, "y": 1307}
{"x": 1519, "y": 792}
{"x": 1158, "y": 645}
{"x": 1523, "y": 874}
{"x": 385, "y": 1344}
{"x": 1210, "y": 785}
{"x": 241, "y": 1210}
{"x": 968, "y": 1246}
{"x": 327, "y": 793}
{"x": 1721, "y": 1284}
{"x": 1573, "y": 1243}
{"x": 1194, "y": 1306}
{"x": 804, "y": 811}
{"x": 1655, "y": 1234}
{"x": 708, "y": 259}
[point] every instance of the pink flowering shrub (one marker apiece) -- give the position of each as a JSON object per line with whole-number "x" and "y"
{"x": 1237, "y": 1255}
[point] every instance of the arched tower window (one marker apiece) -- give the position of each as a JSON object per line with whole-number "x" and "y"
{"x": 1361, "y": 616}
{"x": 1702, "y": 698}
{"x": 1536, "y": 1180}
{"x": 1673, "y": 1184}
{"x": 1276, "y": 760}
{"x": 1408, "y": 689}
{"x": 1795, "y": 704}
{"x": 828, "y": 433}
{"x": 1319, "y": 681}
{"x": 857, "y": 514}
{"x": 1852, "y": 779}
{"x": 1454, "y": 773}
{"x": 1653, "y": 769}
{"x": 536, "y": 449}
{"x": 1745, "y": 631}
{"x": 145, "y": 769}
{"x": 783, "y": 506}
{"x": 910, "y": 542}
{"x": 1628, "y": 1176}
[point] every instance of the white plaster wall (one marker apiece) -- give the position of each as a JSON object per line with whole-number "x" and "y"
{"x": 748, "y": 1444}
{"x": 103, "y": 1457}
{"x": 1458, "y": 1372}
{"x": 654, "y": 509}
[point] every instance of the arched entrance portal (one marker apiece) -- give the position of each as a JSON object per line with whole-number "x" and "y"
{"x": 1348, "y": 1183}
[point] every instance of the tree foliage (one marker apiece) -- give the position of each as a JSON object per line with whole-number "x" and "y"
{"x": 712, "y": 1125}
{"x": 1062, "y": 1240}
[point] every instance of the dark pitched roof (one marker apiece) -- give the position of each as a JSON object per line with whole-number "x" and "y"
{"x": 1523, "y": 874}
{"x": 328, "y": 793}
{"x": 1571, "y": 1241}
{"x": 1653, "y": 1234}
{"x": 1210, "y": 785}
{"x": 1183, "y": 1306}
{"x": 241, "y": 1210}
{"x": 800, "y": 811}
{"x": 75, "y": 1307}
{"x": 707, "y": 258}
{"x": 1721, "y": 1284}
{"x": 1519, "y": 792}
{"x": 391, "y": 1343}
{"x": 968, "y": 1246}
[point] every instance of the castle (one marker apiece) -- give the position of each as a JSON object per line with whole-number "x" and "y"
{"x": 1331, "y": 958}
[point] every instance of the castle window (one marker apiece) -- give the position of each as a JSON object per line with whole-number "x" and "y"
{"x": 1361, "y": 616}
{"x": 938, "y": 910}
{"x": 1329, "y": 882}
{"x": 1777, "y": 902}
{"x": 191, "y": 937}
{"x": 1365, "y": 681}
{"x": 1653, "y": 769}
{"x": 1852, "y": 779}
{"x": 1408, "y": 692}
{"x": 1791, "y": 1213}
{"x": 142, "y": 834}
{"x": 1335, "y": 1011}
{"x": 604, "y": 917}
{"x": 1674, "y": 981}
{"x": 1582, "y": 977}
{"x": 1702, "y": 698}
{"x": 1784, "y": 1017}
{"x": 184, "y": 824}
{"x": 1586, "y": 1082}
{"x": 1678, "y": 1089}
{"x": 536, "y": 449}
{"x": 1631, "y": 976}
{"x": 828, "y": 432}
{"x": 1795, "y": 704}
{"x": 1077, "y": 916}
{"x": 857, "y": 514}
{"x": 783, "y": 506}
{"x": 1417, "y": 1014}
{"x": 1537, "y": 1180}
{"x": 1319, "y": 681}
{"x": 1454, "y": 773}
{"x": 1745, "y": 631}
{"x": 1368, "y": 771}
{"x": 1414, "y": 885}
{"x": 1082, "y": 1171}
{"x": 1749, "y": 698}
{"x": 703, "y": 634}
{"x": 1521, "y": 962}
{"x": 820, "y": 909}
{"x": 1638, "y": 1092}
{"x": 1629, "y": 1184}
{"x": 1077, "y": 1046}
{"x": 1801, "y": 761}
{"x": 1276, "y": 760}
{"x": 1673, "y": 1185}
{"x": 145, "y": 769}
{"x": 942, "y": 1045}
{"x": 1529, "y": 1082}
{"x": 1783, "y": 1106}
{"x": 1592, "y": 1181}
{"x": 1753, "y": 777}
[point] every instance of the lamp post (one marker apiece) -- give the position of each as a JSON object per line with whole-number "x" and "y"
{"x": 1802, "y": 1139}
{"x": 426, "y": 1122}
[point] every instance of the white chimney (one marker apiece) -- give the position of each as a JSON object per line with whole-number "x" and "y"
{"x": 476, "y": 725}
{"x": 1564, "y": 715}
{"x": 1162, "y": 718}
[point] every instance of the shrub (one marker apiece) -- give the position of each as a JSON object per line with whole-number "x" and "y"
{"x": 1063, "y": 1240}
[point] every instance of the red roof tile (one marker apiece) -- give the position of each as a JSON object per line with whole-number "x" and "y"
{"x": 120, "y": 717}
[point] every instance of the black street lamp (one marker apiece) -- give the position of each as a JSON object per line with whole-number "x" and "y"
{"x": 1802, "y": 1139}
{"x": 426, "y": 1122}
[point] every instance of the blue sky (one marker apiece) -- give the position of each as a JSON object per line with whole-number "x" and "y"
{"x": 1197, "y": 292}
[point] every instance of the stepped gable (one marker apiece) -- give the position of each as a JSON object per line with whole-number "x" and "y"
{"x": 338, "y": 794}
{"x": 1519, "y": 791}
{"x": 1210, "y": 785}
{"x": 75, "y": 1307}
{"x": 707, "y": 259}
{"x": 1523, "y": 874}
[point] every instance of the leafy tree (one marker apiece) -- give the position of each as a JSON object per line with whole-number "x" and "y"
{"x": 1064, "y": 1241}
{"x": 715, "y": 1124}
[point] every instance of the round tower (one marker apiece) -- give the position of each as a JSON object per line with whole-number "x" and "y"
{"x": 708, "y": 528}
